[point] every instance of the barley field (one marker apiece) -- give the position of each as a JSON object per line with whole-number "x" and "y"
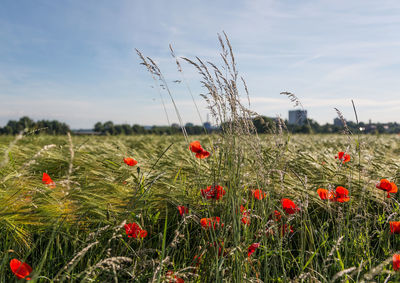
{"x": 233, "y": 206}
{"x": 77, "y": 227}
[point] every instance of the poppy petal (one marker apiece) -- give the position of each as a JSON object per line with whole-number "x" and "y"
{"x": 252, "y": 248}
{"x": 20, "y": 269}
{"x": 396, "y": 262}
{"x": 195, "y": 146}
{"x": 130, "y": 161}
{"x": 183, "y": 210}
{"x": 323, "y": 193}
{"x": 48, "y": 181}
{"x": 258, "y": 194}
{"x": 342, "y": 194}
{"x": 202, "y": 154}
{"x": 344, "y": 157}
{"x": 133, "y": 230}
{"x": 289, "y": 206}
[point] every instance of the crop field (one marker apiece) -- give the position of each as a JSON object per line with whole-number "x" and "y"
{"x": 248, "y": 212}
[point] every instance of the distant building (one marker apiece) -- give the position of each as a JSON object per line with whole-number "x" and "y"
{"x": 338, "y": 122}
{"x": 297, "y": 117}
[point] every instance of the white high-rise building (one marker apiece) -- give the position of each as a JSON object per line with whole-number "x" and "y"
{"x": 297, "y": 117}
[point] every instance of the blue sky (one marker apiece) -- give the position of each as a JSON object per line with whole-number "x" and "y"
{"x": 74, "y": 61}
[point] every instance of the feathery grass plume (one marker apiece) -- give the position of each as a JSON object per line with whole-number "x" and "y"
{"x": 154, "y": 74}
{"x": 223, "y": 97}
{"x": 376, "y": 270}
{"x": 343, "y": 272}
{"x": 180, "y": 70}
{"x": 113, "y": 263}
{"x": 98, "y": 232}
{"x": 116, "y": 234}
{"x": 346, "y": 130}
{"x": 305, "y": 276}
{"x": 293, "y": 98}
{"x": 355, "y": 111}
{"x": 74, "y": 261}
{"x": 333, "y": 250}
{"x": 155, "y": 71}
{"x": 159, "y": 268}
{"x": 239, "y": 140}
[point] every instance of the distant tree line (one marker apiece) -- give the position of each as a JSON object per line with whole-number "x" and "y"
{"x": 267, "y": 125}
{"x": 262, "y": 125}
{"x": 108, "y": 128}
{"x": 361, "y": 127}
{"x": 54, "y": 127}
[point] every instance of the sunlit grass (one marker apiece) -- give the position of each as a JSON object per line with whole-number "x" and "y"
{"x": 74, "y": 232}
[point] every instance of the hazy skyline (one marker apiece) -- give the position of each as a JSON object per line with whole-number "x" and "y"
{"x": 75, "y": 61}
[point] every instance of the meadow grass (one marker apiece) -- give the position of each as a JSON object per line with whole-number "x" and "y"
{"x": 74, "y": 232}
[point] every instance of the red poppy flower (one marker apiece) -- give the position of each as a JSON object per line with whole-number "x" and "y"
{"x": 396, "y": 262}
{"x": 200, "y": 152}
{"x": 213, "y": 192}
{"x": 47, "y": 180}
{"x": 20, "y": 269}
{"x": 252, "y": 248}
{"x": 289, "y": 206}
{"x": 395, "y": 227}
{"x": 245, "y": 220}
{"x": 134, "y": 230}
{"x": 130, "y": 161}
{"x": 258, "y": 194}
{"x": 344, "y": 157}
{"x": 341, "y": 195}
{"x": 245, "y": 215}
{"x": 325, "y": 194}
{"x": 277, "y": 215}
{"x": 195, "y": 146}
{"x": 211, "y": 222}
{"x": 173, "y": 278}
{"x": 183, "y": 210}
{"x": 387, "y": 186}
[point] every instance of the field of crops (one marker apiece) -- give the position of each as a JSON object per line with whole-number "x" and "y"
{"x": 78, "y": 229}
